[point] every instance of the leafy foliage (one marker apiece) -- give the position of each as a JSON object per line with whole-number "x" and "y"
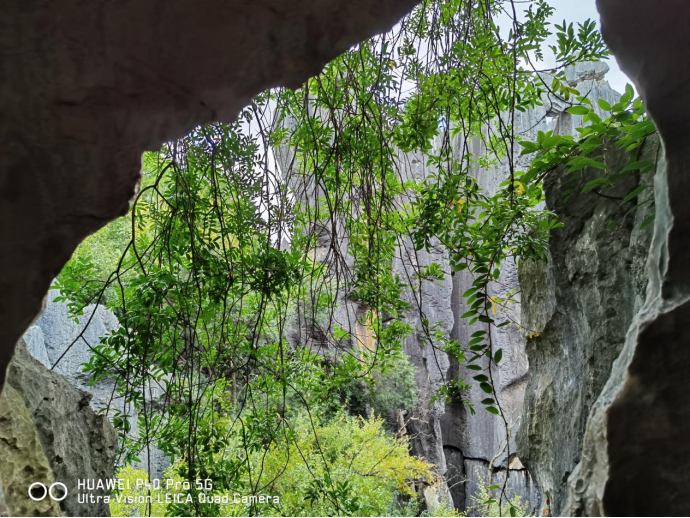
{"x": 384, "y": 393}
{"x": 485, "y": 502}
{"x": 272, "y": 266}
{"x": 345, "y": 465}
{"x": 139, "y": 497}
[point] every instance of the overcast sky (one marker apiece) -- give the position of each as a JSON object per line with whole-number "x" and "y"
{"x": 578, "y": 11}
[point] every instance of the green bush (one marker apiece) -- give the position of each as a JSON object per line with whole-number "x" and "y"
{"x": 485, "y": 502}
{"x": 385, "y": 392}
{"x": 345, "y": 466}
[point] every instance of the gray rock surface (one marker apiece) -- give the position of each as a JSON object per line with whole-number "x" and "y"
{"x": 482, "y": 438}
{"x": 88, "y": 86}
{"x": 432, "y": 300}
{"x": 579, "y": 306}
{"x": 636, "y": 449}
{"x": 78, "y": 442}
{"x": 23, "y": 460}
{"x": 35, "y": 344}
{"x": 520, "y": 489}
{"x": 68, "y": 345}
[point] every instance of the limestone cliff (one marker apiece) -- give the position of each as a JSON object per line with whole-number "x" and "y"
{"x": 468, "y": 450}
{"x": 480, "y": 445}
{"x": 64, "y": 345}
{"x": 50, "y": 434}
{"x": 579, "y": 306}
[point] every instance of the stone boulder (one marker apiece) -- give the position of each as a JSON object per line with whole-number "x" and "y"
{"x": 68, "y": 345}
{"x": 72, "y": 441}
{"x": 23, "y": 460}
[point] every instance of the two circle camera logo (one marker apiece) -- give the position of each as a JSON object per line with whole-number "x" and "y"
{"x": 38, "y": 491}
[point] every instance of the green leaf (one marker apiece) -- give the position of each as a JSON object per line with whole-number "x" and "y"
{"x": 482, "y": 378}
{"x": 628, "y": 95}
{"x": 647, "y": 222}
{"x": 604, "y": 105}
{"x": 488, "y": 401}
{"x": 493, "y": 410}
{"x": 593, "y": 184}
{"x": 486, "y": 388}
{"x": 498, "y": 355}
{"x": 474, "y": 367}
{"x": 632, "y": 166}
{"x": 469, "y": 292}
{"x": 577, "y": 163}
{"x": 634, "y": 194}
{"x": 578, "y": 110}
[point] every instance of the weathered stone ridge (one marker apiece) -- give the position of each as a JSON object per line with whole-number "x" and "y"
{"x": 51, "y": 434}
{"x": 635, "y": 452}
{"x": 481, "y": 440}
{"x": 578, "y": 307}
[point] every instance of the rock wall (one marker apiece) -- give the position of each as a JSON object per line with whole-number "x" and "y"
{"x": 49, "y": 433}
{"x": 635, "y": 452}
{"x": 482, "y": 447}
{"x": 579, "y": 306}
{"x": 432, "y": 300}
{"x": 88, "y": 86}
{"x": 64, "y": 345}
{"x": 468, "y": 450}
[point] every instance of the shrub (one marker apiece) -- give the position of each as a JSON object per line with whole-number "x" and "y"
{"x": 387, "y": 391}
{"x": 485, "y": 502}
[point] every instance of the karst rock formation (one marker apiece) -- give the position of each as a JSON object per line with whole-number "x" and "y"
{"x": 86, "y": 87}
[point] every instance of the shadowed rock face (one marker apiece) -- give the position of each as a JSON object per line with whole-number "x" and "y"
{"x": 49, "y": 433}
{"x": 578, "y": 307}
{"x": 86, "y": 87}
{"x": 636, "y": 449}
